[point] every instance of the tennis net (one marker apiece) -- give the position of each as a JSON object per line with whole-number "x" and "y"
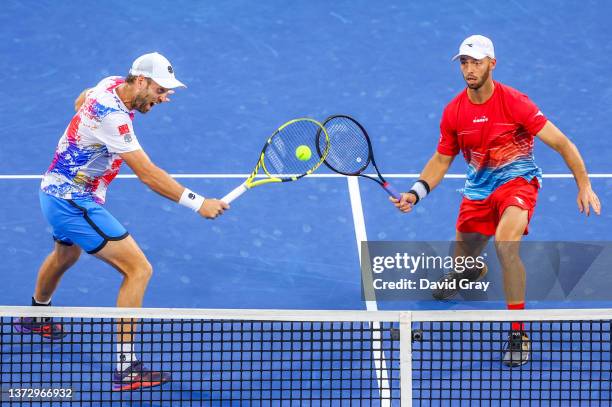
{"x": 320, "y": 358}
{"x": 214, "y": 357}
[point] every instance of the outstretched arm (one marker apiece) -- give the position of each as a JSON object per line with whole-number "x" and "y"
{"x": 555, "y": 139}
{"x": 432, "y": 174}
{"x": 162, "y": 183}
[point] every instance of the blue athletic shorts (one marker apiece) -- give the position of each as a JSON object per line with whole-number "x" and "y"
{"x": 80, "y": 221}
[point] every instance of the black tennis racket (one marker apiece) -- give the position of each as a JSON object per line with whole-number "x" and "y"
{"x": 349, "y": 150}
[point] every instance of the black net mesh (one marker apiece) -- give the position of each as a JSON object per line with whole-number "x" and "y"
{"x": 461, "y": 364}
{"x": 211, "y": 362}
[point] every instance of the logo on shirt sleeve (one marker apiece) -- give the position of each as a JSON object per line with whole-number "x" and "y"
{"x": 124, "y": 130}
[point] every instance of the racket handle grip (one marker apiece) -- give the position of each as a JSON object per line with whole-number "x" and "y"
{"x": 392, "y": 191}
{"x": 239, "y": 190}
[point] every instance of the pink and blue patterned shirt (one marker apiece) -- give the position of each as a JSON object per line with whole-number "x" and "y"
{"x": 87, "y": 157}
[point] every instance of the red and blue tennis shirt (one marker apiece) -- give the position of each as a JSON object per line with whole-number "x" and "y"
{"x": 495, "y": 137}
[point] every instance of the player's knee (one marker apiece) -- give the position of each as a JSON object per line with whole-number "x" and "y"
{"x": 509, "y": 235}
{"x": 507, "y": 250}
{"x": 143, "y": 271}
{"x": 512, "y": 225}
{"x": 147, "y": 270}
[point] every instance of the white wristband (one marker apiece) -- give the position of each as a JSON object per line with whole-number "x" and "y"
{"x": 191, "y": 200}
{"x": 420, "y": 189}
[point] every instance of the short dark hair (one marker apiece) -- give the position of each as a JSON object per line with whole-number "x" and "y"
{"x": 132, "y": 78}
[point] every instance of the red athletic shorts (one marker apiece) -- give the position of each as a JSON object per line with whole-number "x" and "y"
{"x": 483, "y": 216}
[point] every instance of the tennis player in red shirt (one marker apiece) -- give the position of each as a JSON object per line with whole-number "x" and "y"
{"x": 494, "y": 127}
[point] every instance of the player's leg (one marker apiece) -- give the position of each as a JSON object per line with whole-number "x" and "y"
{"x": 510, "y": 230}
{"x": 515, "y": 202}
{"x": 471, "y": 245}
{"x": 88, "y": 225}
{"x": 474, "y": 229}
{"x": 63, "y": 256}
{"x": 508, "y": 236}
{"x": 126, "y": 257}
{"x": 62, "y": 217}
{"x": 108, "y": 240}
{"x": 468, "y": 244}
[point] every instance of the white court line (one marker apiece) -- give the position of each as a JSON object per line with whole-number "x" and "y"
{"x": 380, "y": 364}
{"x": 203, "y": 175}
{"x": 359, "y": 223}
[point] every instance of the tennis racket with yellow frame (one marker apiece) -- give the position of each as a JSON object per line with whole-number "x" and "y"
{"x": 280, "y": 161}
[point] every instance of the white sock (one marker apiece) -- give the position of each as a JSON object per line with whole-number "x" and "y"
{"x": 125, "y": 356}
{"x": 43, "y": 303}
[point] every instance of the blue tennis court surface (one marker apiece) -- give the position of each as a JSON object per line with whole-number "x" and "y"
{"x": 250, "y": 67}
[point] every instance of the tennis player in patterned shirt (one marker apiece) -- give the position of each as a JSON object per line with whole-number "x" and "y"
{"x": 494, "y": 126}
{"x": 98, "y": 139}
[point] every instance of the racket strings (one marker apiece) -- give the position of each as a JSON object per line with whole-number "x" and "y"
{"x": 349, "y": 151}
{"x": 280, "y": 155}
{"x": 274, "y": 154}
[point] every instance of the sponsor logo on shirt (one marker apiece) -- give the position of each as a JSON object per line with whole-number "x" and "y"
{"x": 124, "y": 129}
{"x": 520, "y": 200}
{"x": 481, "y": 119}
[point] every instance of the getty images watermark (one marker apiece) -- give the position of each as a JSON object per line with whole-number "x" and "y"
{"x": 556, "y": 271}
{"x": 421, "y": 263}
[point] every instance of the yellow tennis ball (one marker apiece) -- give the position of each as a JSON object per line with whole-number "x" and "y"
{"x": 303, "y": 153}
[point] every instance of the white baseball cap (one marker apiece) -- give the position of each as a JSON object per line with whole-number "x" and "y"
{"x": 476, "y": 46}
{"x": 158, "y": 68}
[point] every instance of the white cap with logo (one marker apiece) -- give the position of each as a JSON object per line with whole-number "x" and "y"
{"x": 158, "y": 68}
{"x": 477, "y": 47}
